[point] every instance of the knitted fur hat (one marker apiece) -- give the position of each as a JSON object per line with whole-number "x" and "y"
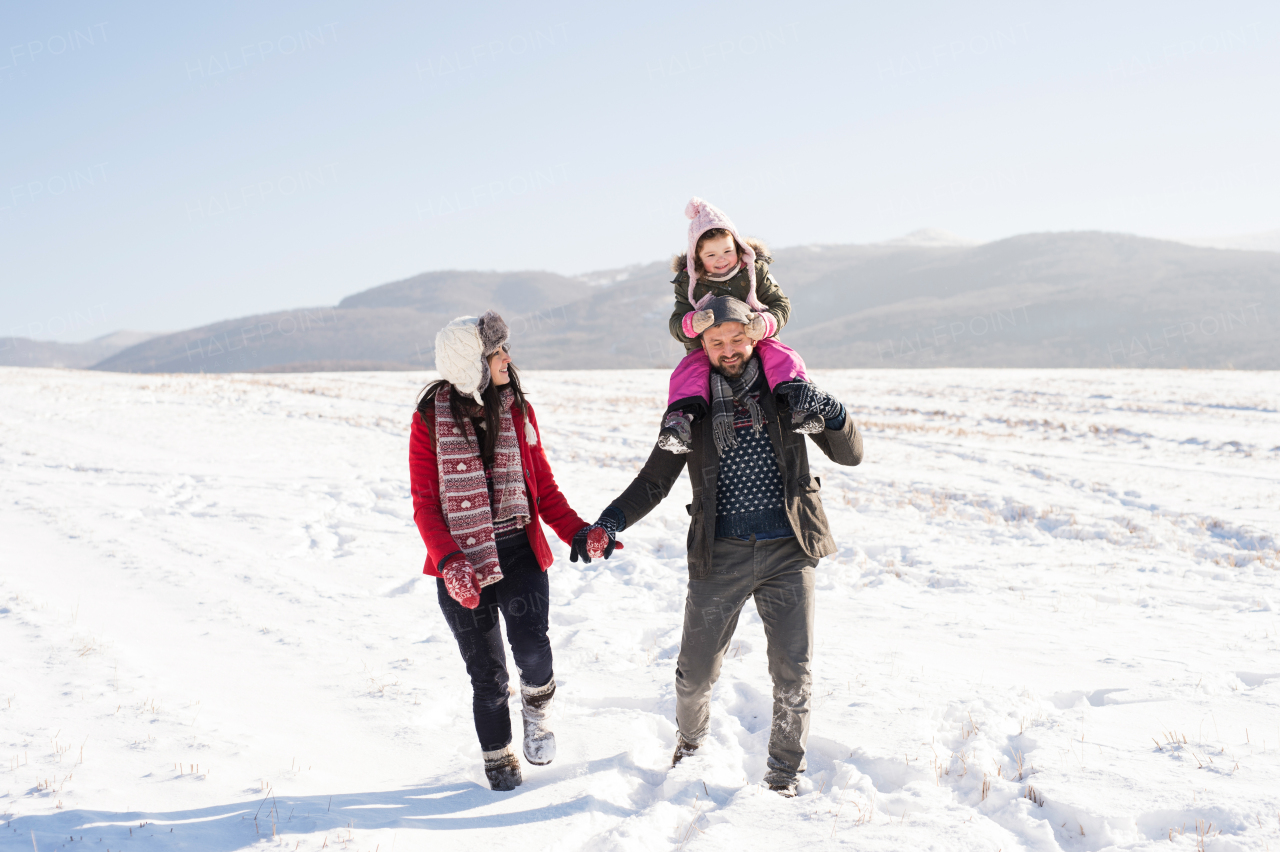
{"x": 463, "y": 348}
{"x": 703, "y": 217}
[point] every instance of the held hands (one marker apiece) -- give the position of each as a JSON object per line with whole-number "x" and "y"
{"x": 460, "y": 581}
{"x": 596, "y": 541}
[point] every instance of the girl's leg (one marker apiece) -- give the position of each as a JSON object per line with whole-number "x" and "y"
{"x": 781, "y": 363}
{"x": 479, "y": 640}
{"x": 690, "y": 383}
{"x": 523, "y": 595}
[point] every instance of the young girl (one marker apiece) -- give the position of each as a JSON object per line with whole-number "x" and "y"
{"x": 719, "y": 262}
{"x": 481, "y": 485}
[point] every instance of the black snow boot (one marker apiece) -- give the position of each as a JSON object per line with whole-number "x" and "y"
{"x": 684, "y": 748}
{"x": 539, "y": 741}
{"x": 502, "y": 768}
{"x": 676, "y": 435}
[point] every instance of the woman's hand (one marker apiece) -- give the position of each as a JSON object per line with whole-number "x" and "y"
{"x": 460, "y": 581}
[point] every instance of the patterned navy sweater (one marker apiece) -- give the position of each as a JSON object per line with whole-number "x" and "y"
{"x": 750, "y": 499}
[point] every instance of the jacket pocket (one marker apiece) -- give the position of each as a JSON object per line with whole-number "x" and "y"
{"x": 811, "y": 522}
{"x": 697, "y": 532}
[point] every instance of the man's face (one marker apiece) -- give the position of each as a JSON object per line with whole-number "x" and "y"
{"x": 728, "y": 347}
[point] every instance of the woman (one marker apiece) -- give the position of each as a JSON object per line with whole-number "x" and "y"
{"x": 481, "y": 483}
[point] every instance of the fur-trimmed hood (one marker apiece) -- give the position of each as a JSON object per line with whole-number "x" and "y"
{"x": 679, "y": 261}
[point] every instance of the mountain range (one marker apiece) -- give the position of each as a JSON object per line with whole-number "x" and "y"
{"x": 25, "y": 352}
{"x": 1073, "y": 299}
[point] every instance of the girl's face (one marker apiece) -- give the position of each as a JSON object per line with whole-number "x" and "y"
{"x": 498, "y": 362}
{"x": 719, "y": 254}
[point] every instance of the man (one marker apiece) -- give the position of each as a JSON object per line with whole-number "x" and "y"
{"x": 758, "y": 530}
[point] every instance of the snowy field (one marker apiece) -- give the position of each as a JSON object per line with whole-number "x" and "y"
{"x": 1052, "y": 624}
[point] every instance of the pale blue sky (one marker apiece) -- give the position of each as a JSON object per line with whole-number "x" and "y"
{"x": 168, "y": 165}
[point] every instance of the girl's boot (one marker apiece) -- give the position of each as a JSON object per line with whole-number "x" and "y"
{"x": 807, "y": 423}
{"x": 804, "y": 421}
{"x": 539, "y": 741}
{"x": 676, "y": 435}
{"x": 502, "y": 768}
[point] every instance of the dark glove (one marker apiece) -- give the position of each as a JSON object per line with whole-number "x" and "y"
{"x": 805, "y": 398}
{"x": 598, "y": 540}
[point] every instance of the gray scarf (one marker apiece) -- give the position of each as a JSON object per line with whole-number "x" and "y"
{"x": 723, "y": 392}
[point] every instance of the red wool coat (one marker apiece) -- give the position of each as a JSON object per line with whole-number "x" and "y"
{"x": 545, "y": 500}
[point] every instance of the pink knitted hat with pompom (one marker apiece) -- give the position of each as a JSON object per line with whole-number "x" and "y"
{"x": 703, "y": 217}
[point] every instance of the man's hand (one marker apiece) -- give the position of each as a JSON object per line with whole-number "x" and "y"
{"x": 805, "y": 398}
{"x": 598, "y": 540}
{"x": 460, "y": 581}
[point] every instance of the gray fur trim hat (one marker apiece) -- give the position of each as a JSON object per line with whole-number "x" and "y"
{"x": 463, "y": 348}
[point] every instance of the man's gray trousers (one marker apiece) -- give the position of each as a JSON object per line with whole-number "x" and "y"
{"x": 779, "y": 575}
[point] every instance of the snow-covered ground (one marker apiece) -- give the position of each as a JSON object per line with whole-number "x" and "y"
{"x": 1052, "y": 624}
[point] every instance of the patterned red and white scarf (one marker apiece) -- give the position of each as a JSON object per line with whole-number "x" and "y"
{"x": 464, "y": 492}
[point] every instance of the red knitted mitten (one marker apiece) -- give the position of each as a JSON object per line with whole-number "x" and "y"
{"x": 460, "y": 581}
{"x": 597, "y": 541}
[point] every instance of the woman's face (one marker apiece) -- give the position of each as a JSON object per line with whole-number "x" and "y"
{"x": 498, "y": 362}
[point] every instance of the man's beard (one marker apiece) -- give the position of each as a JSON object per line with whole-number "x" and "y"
{"x": 733, "y": 371}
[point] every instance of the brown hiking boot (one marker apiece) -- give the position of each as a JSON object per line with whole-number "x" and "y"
{"x": 684, "y": 748}
{"x": 786, "y": 789}
{"x": 782, "y": 782}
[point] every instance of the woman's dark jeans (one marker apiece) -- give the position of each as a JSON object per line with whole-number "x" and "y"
{"x": 522, "y": 598}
